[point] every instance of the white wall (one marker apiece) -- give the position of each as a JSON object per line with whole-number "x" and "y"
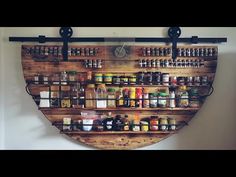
{"x": 1, "y": 96}
{"x": 212, "y": 128}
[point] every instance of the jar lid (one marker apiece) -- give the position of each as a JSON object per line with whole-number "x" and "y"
{"x": 108, "y": 75}
{"x": 72, "y": 72}
{"x": 98, "y": 74}
{"x": 183, "y": 87}
{"x": 111, "y": 90}
{"x": 90, "y": 86}
{"x": 163, "y": 94}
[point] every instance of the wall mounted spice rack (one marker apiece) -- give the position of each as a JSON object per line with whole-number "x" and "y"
{"x": 144, "y": 93}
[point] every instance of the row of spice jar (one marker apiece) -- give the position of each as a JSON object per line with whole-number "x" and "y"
{"x": 149, "y": 78}
{"x": 40, "y": 50}
{"x": 63, "y": 77}
{"x": 93, "y": 63}
{"x": 120, "y": 123}
{"x": 168, "y": 63}
{"x": 182, "y": 52}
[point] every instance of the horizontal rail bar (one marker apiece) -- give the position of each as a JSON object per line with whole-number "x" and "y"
{"x": 43, "y": 39}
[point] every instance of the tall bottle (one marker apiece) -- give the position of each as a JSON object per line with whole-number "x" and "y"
{"x": 120, "y": 98}
{"x": 101, "y": 96}
{"x": 90, "y": 96}
{"x": 126, "y": 98}
{"x": 172, "y": 98}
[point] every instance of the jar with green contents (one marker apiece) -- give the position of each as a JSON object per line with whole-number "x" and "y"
{"x": 108, "y": 78}
{"x": 98, "y": 78}
{"x": 162, "y": 99}
{"x": 194, "y": 98}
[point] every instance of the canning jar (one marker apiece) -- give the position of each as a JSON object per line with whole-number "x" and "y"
{"x": 154, "y": 123}
{"x": 111, "y": 96}
{"x": 132, "y": 80}
{"x": 72, "y": 76}
{"x": 144, "y": 126}
{"x": 116, "y": 80}
{"x": 108, "y": 78}
{"x": 162, "y": 99}
{"x": 172, "y": 123}
{"x": 98, "y": 78}
{"x": 163, "y": 124}
{"x": 153, "y": 100}
{"x": 165, "y": 78}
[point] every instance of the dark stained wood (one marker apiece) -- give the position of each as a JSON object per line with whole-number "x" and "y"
{"x": 128, "y": 65}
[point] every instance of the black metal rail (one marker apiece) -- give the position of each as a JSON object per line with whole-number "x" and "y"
{"x": 66, "y": 33}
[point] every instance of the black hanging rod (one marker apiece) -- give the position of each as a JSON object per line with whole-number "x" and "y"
{"x": 66, "y": 33}
{"x": 43, "y": 39}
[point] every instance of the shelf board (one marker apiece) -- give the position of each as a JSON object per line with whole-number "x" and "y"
{"x": 117, "y": 132}
{"x": 120, "y": 109}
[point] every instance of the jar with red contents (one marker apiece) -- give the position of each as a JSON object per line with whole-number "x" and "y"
{"x": 139, "y": 101}
{"x": 154, "y": 123}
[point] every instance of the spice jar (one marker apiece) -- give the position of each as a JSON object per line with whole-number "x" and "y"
{"x": 64, "y": 78}
{"x": 125, "y": 122}
{"x": 154, "y": 123}
{"x": 157, "y": 78}
{"x": 124, "y": 80}
{"x": 98, "y": 125}
{"x": 194, "y": 98}
{"x": 162, "y": 99}
{"x": 204, "y": 80}
{"x": 72, "y": 76}
{"x": 98, "y": 78}
{"x": 111, "y": 96}
{"x": 108, "y": 78}
{"x": 165, "y": 78}
{"x": 65, "y": 95}
{"x": 196, "y": 80}
{"x": 66, "y": 124}
{"x": 140, "y": 76}
{"x": 149, "y": 78}
{"x": 183, "y": 97}
{"x": 132, "y": 96}
{"x": 136, "y": 123}
{"x": 172, "y": 123}
{"x": 45, "y": 79}
{"x": 153, "y": 100}
{"x": 132, "y": 80}
{"x": 36, "y": 79}
{"x": 116, "y": 80}
{"x": 89, "y": 76}
{"x": 118, "y": 123}
{"x": 163, "y": 124}
{"x": 181, "y": 80}
{"x": 145, "y": 98}
{"x": 173, "y": 80}
{"x": 144, "y": 126}
{"x": 55, "y": 78}
{"x": 108, "y": 123}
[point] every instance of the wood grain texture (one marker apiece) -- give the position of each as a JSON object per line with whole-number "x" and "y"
{"x": 127, "y": 65}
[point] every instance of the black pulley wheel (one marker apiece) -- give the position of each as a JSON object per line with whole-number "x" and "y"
{"x": 174, "y": 32}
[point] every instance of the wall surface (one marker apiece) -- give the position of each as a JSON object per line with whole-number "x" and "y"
{"x": 24, "y": 127}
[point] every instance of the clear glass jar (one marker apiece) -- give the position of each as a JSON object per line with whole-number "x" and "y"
{"x": 116, "y": 80}
{"x": 98, "y": 78}
{"x": 90, "y": 96}
{"x": 111, "y": 94}
{"x": 165, "y": 78}
{"x": 172, "y": 124}
{"x": 64, "y": 78}
{"x": 132, "y": 80}
{"x": 101, "y": 96}
{"x": 183, "y": 97}
{"x": 163, "y": 124}
{"x": 162, "y": 99}
{"x": 108, "y": 78}
{"x": 153, "y": 100}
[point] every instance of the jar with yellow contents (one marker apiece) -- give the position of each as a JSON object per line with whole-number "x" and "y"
{"x": 108, "y": 78}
